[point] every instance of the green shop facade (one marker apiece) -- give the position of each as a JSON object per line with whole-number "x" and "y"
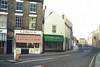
{"x": 53, "y": 42}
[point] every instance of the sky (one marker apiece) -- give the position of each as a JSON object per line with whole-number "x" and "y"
{"x": 84, "y": 14}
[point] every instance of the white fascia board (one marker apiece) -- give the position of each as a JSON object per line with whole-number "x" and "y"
{"x": 19, "y": 14}
{"x": 33, "y": 2}
{"x": 19, "y": 1}
{"x": 32, "y": 15}
{"x": 4, "y": 13}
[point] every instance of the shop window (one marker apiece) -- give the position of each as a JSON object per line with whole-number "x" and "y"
{"x": 36, "y": 45}
{"x": 1, "y": 44}
{"x": 21, "y": 45}
{"x": 30, "y": 45}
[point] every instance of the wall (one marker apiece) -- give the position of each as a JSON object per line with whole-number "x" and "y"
{"x": 54, "y": 19}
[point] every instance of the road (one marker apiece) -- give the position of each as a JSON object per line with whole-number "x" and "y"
{"x": 84, "y": 57}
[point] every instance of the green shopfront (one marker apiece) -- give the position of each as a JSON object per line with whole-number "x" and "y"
{"x": 53, "y": 42}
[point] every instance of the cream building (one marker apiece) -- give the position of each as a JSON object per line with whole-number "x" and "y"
{"x": 56, "y": 33}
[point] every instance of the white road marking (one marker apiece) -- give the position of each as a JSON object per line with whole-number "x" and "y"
{"x": 61, "y": 56}
{"x": 34, "y": 60}
{"x": 90, "y": 65}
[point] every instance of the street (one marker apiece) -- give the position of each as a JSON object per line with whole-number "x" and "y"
{"x": 84, "y": 57}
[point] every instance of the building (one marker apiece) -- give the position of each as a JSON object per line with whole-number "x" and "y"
{"x": 68, "y": 35}
{"x": 89, "y": 40}
{"x": 18, "y": 15}
{"x": 96, "y": 38}
{"x": 82, "y": 41}
{"x": 57, "y": 33}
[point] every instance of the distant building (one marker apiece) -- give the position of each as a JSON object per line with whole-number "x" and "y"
{"x": 18, "y": 15}
{"x": 89, "y": 40}
{"x": 57, "y": 33}
{"x": 82, "y": 41}
{"x": 96, "y": 38}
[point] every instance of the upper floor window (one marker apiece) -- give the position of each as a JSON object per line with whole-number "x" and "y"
{"x": 19, "y": 6}
{"x": 4, "y": 4}
{"x": 54, "y": 28}
{"x": 32, "y": 23}
{"x": 18, "y": 22}
{"x": 32, "y": 7}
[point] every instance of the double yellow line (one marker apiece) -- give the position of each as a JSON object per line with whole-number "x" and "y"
{"x": 90, "y": 65}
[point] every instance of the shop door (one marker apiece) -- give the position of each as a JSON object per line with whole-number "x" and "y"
{"x": 1, "y": 47}
{"x": 9, "y": 46}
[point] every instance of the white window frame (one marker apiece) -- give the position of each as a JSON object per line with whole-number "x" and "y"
{"x": 18, "y": 22}
{"x": 17, "y": 6}
{"x": 4, "y": 4}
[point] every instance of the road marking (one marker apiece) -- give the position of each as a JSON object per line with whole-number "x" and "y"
{"x": 90, "y": 65}
{"x": 33, "y": 60}
{"x": 61, "y": 56}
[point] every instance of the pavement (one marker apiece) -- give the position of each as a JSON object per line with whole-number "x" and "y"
{"x": 23, "y": 56}
{"x": 97, "y": 62}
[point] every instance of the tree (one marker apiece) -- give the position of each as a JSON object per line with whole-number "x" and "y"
{"x": 11, "y": 21}
{"x": 25, "y": 20}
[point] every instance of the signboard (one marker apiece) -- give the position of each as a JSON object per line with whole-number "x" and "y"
{"x": 28, "y": 38}
{"x": 27, "y": 32}
{"x": 3, "y": 30}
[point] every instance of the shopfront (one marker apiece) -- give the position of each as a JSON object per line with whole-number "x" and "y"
{"x": 29, "y": 41}
{"x": 3, "y": 35}
{"x": 53, "y": 42}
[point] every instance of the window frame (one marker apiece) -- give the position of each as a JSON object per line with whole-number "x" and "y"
{"x": 32, "y": 7}
{"x": 18, "y": 22}
{"x": 4, "y": 5}
{"x": 54, "y": 28}
{"x": 19, "y": 7}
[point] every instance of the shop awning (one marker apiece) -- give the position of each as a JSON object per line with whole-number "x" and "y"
{"x": 54, "y": 38}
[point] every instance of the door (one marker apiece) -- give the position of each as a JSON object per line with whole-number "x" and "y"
{"x": 1, "y": 47}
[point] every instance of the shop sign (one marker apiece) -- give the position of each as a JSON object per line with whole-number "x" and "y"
{"x": 24, "y": 38}
{"x": 27, "y": 32}
{"x": 3, "y": 31}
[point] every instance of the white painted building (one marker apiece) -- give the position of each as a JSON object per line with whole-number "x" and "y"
{"x": 56, "y": 32}
{"x": 3, "y": 33}
{"x": 28, "y": 41}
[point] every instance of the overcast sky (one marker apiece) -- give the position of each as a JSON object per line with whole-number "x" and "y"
{"x": 84, "y": 14}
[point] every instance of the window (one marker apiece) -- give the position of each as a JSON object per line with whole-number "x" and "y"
{"x": 30, "y": 45}
{"x": 33, "y": 25}
{"x": 21, "y": 45}
{"x": 19, "y": 6}
{"x": 32, "y": 22}
{"x": 54, "y": 28}
{"x": 36, "y": 45}
{"x": 3, "y": 5}
{"x": 32, "y": 7}
{"x": 18, "y": 22}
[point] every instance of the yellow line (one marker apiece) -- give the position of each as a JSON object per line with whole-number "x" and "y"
{"x": 92, "y": 61}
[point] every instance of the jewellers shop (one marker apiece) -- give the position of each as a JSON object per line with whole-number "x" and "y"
{"x": 28, "y": 41}
{"x": 3, "y": 36}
